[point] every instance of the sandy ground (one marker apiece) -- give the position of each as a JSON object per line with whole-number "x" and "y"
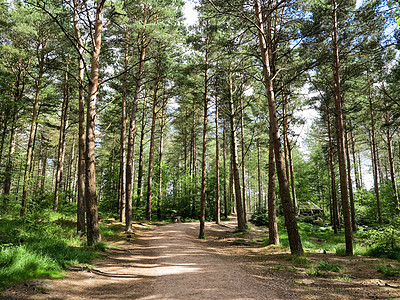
{"x": 169, "y": 262}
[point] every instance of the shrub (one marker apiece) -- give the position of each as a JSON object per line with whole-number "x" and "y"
{"x": 384, "y": 242}
{"x": 260, "y": 217}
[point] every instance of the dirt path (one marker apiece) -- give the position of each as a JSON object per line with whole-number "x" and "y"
{"x": 169, "y": 262}
{"x": 163, "y": 263}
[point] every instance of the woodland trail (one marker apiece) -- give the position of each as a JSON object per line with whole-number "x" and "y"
{"x": 169, "y": 262}
{"x": 161, "y": 263}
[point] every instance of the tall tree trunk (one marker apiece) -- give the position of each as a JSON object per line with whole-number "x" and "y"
{"x": 204, "y": 154}
{"x": 35, "y": 112}
{"x": 122, "y": 140}
{"x": 292, "y": 181}
{"x": 391, "y": 165}
{"x": 352, "y": 207}
{"x": 231, "y": 196}
{"x": 193, "y": 158}
{"x": 287, "y": 148}
{"x": 340, "y": 136}
{"x": 71, "y": 172}
{"x": 92, "y": 219}
{"x": 288, "y": 211}
{"x": 243, "y": 163}
{"x": 81, "y": 204}
{"x": 234, "y": 160}
{"x": 217, "y": 188}
{"x": 374, "y": 154}
{"x": 149, "y": 195}
{"x": 335, "y": 207}
{"x": 131, "y": 136}
{"x": 353, "y": 150}
{"x": 285, "y": 135}
{"x": 139, "y": 188}
{"x": 160, "y": 155}
{"x": 260, "y": 190}
{"x": 61, "y": 142}
{"x": 272, "y": 222}
{"x": 224, "y": 159}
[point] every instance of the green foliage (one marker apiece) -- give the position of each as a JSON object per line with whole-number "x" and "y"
{"x": 323, "y": 266}
{"x": 383, "y": 241}
{"x": 21, "y": 263}
{"x": 41, "y": 245}
{"x": 260, "y": 217}
{"x": 389, "y": 271}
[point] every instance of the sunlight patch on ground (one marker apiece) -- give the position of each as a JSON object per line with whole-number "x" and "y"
{"x": 175, "y": 270}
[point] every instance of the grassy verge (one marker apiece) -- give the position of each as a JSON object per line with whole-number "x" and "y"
{"x": 40, "y": 246}
{"x": 380, "y": 242}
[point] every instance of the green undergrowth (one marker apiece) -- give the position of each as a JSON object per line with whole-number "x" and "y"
{"x": 323, "y": 267}
{"x": 381, "y": 242}
{"x": 389, "y": 271}
{"x": 40, "y": 245}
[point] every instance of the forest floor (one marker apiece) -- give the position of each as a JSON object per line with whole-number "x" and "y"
{"x": 167, "y": 261}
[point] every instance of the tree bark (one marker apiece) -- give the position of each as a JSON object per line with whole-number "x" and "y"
{"x": 288, "y": 211}
{"x": 340, "y": 136}
{"x": 61, "y": 143}
{"x": 391, "y": 165}
{"x": 234, "y": 157}
{"x": 224, "y": 159}
{"x": 292, "y": 180}
{"x": 139, "y": 188}
{"x": 81, "y": 205}
{"x": 160, "y": 156}
{"x": 149, "y": 195}
{"x": 193, "y": 158}
{"x": 260, "y": 194}
{"x": 272, "y": 222}
{"x": 335, "y": 207}
{"x": 122, "y": 140}
{"x": 243, "y": 156}
{"x": 131, "y": 136}
{"x": 352, "y": 207}
{"x": 217, "y": 189}
{"x": 204, "y": 154}
{"x": 92, "y": 219}
{"x": 353, "y": 148}
{"x": 373, "y": 154}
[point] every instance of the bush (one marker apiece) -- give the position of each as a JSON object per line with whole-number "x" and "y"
{"x": 260, "y": 217}
{"x": 384, "y": 242}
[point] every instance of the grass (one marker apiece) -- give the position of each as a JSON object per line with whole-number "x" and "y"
{"x": 323, "y": 266}
{"x": 40, "y": 246}
{"x": 389, "y": 271}
{"x": 315, "y": 237}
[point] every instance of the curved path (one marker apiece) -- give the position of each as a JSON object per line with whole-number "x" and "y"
{"x": 167, "y": 262}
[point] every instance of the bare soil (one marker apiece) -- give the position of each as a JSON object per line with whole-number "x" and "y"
{"x": 169, "y": 262}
